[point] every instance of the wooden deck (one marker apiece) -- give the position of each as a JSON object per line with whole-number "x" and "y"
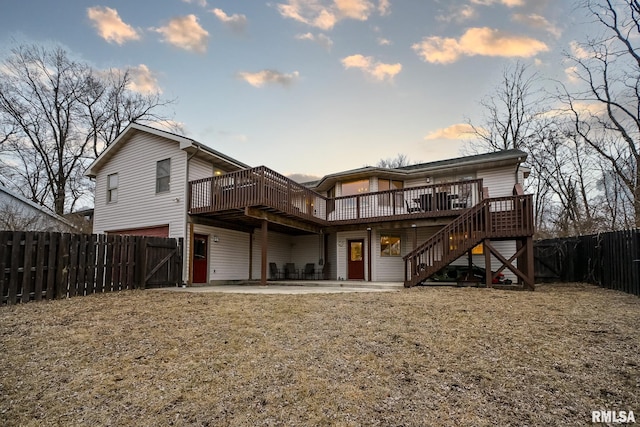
{"x": 256, "y": 192}
{"x": 501, "y": 218}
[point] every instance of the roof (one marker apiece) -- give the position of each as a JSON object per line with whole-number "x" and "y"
{"x": 448, "y": 166}
{"x": 189, "y": 145}
{"x": 34, "y": 205}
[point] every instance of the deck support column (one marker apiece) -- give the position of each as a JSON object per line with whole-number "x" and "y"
{"x": 265, "y": 243}
{"x": 369, "y": 254}
{"x": 487, "y": 263}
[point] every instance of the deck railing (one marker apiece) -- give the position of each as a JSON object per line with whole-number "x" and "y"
{"x": 425, "y": 200}
{"x": 255, "y": 187}
{"x": 263, "y": 187}
{"x": 493, "y": 218}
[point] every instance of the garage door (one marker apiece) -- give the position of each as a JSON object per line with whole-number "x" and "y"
{"x": 157, "y": 231}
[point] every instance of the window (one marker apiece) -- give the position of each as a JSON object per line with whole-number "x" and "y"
{"x": 389, "y": 246}
{"x": 353, "y": 188}
{"x": 458, "y": 239}
{"x": 112, "y": 188}
{"x": 388, "y": 184}
{"x": 163, "y": 175}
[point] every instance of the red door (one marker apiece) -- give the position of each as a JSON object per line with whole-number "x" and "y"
{"x": 355, "y": 261}
{"x": 200, "y": 259}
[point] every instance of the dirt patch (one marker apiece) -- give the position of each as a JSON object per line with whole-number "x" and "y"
{"x": 423, "y": 356}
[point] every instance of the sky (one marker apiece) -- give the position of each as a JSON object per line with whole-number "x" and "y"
{"x": 311, "y": 87}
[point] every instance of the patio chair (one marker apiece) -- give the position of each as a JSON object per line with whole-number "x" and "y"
{"x": 412, "y": 209}
{"x": 309, "y": 271}
{"x": 274, "y": 272}
{"x": 290, "y": 271}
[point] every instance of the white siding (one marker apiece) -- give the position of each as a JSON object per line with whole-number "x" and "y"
{"x": 306, "y": 249}
{"x": 500, "y": 181}
{"x": 138, "y": 205}
{"x": 199, "y": 169}
{"x": 283, "y": 249}
{"x": 341, "y": 262}
{"x": 389, "y": 268}
{"x": 332, "y": 256}
{"x": 229, "y": 256}
{"x": 278, "y": 251}
{"x": 415, "y": 182}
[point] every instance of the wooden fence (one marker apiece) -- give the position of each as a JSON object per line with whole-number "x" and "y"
{"x": 610, "y": 260}
{"x": 42, "y": 265}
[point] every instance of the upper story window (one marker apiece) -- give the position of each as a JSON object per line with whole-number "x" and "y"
{"x": 389, "y": 184}
{"x": 353, "y": 188}
{"x": 163, "y": 175}
{"x": 112, "y": 188}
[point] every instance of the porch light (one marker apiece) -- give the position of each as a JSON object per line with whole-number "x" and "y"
{"x": 215, "y": 239}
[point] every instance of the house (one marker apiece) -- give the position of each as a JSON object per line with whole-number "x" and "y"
{"x": 20, "y": 214}
{"x": 244, "y": 223}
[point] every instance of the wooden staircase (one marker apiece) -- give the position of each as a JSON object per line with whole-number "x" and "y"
{"x": 501, "y": 218}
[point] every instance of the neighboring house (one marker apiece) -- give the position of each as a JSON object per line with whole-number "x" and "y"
{"x": 20, "y": 214}
{"x": 375, "y": 224}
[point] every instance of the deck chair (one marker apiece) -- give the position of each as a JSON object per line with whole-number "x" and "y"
{"x": 290, "y": 271}
{"x": 412, "y": 209}
{"x": 274, "y": 272}
{"x": 309, "y": 271}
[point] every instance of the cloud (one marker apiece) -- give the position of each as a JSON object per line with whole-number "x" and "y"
{"x": 263, "y": 77}
{"x": 109, "y": 25}
{"x": 201, "y": 3}
{"x": 383, "y": 7}
{"x": 185, "y": 33}
{"x": 534, "y": 20}
{"x": 322, "y": 39}
{"x": 143, "y": 80}
{"x": 477, "y": 41}
{"x": 378, "y": 70}
{"x": 354, "y": 9}
{"x": 577, "y": 51}
{"x": 384, "y": 42}
{"x": 459, "y": 14}
{"x": 236, "y": 21}
{"x": 457, "y": 131}
{"x": 324, "y": 14}
{"x": 508, "y": 3}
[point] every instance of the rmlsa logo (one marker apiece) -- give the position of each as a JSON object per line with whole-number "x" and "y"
{"x": 613, "y": 417}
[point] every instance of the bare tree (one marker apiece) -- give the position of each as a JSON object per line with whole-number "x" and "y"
{"x": 510, "y": 112}
{"x": 395, "y": 162}
{"x": 56, "y": 115}
{"x": 606, "y": 110}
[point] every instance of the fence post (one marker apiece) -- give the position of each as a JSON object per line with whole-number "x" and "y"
{"x": 141, "y": 264}
{"x": 4, "y": 240}
{"x": 15, "y": 265}
{"x": 63, "y": 266}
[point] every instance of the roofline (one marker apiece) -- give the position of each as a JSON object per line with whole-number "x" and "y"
{"x": 183, "y": 141}
{"x": 517, "y": 156}
{"x": 36, "y": 206}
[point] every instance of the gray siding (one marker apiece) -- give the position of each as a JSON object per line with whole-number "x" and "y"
{"x": 138, "y": 205}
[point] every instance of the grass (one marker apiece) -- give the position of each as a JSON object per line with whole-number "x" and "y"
{"x": 422, "y": 356}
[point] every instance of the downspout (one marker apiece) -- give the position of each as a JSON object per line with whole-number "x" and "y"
{"x": 518, "y": 169}
{"x": 187, "y": 234}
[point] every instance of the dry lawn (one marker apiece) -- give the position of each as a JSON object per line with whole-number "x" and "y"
{"x": 424, "y": 356}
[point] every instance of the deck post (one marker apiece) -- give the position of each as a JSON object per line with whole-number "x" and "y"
{"x": 487, "y": 263}
{"x": 265, "y": 242}
{"x": 369, "y": 254}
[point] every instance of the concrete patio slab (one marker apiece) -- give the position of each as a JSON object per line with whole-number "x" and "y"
{"x": 293, "y": 287}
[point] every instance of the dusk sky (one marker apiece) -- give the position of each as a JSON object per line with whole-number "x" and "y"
{"x": 311, "y": 86}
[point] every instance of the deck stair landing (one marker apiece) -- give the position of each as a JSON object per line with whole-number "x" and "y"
{"x": 501, "y": 218}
